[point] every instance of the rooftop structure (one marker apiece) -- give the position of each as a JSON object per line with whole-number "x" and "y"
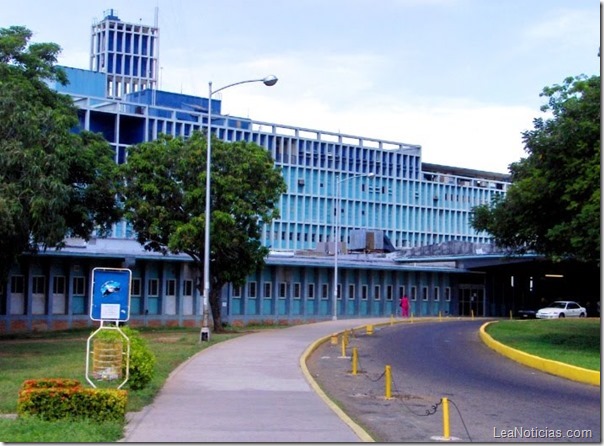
{"x": 128, "y": 53}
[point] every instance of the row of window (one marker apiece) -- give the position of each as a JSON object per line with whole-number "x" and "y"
{"x": 17, "y": 286}
{"x": 153, "y": 287}
{"x": 38, "y": 285}
{"x": 283, "y": 289}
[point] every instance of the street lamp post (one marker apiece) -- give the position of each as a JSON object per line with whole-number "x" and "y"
{"x": 269, "y": 81}
{"x": 337, "y": 239}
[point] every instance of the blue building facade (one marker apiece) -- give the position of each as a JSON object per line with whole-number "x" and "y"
{"x": 388, "y": 203}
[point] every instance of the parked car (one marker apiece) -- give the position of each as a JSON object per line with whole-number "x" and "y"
{"x": 527, "y": 313}
{"x": 561, "y": 308}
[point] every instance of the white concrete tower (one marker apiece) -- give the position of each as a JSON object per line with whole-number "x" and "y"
{"x": 127, "y": 52}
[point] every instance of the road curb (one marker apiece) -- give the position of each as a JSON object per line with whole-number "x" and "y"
{"x": 358, "y": 430}
{"x": 546, "y": 365}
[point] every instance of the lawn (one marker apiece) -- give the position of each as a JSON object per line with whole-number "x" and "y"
{"x": 63, "y": 355}
{"x": 572, "y": 341}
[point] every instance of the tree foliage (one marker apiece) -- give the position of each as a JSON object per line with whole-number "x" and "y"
{"x": 53, "y": 182}
{"x": 553, "y": 204}
{"x": 165, "y": 202}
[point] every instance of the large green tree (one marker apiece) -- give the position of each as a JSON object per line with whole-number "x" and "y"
{"x": 553, "y": 204}
{"x": 165, "y": 202}
{"x": 53, "y": 182}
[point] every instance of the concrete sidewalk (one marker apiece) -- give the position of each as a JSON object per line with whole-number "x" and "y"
{"x": 248, "y": 389}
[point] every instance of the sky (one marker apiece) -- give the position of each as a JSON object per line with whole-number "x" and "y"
{"x": 461, "y": 78}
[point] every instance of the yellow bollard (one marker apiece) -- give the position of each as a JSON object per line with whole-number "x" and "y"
{"x": 343, "y": 347}
{"x": 388, "y": 383}
{"x": 440, "y": 316}
{"x": 446, "y": 426}
{"x": 334, "y": 339}
{"x": 355, "y": 360}
{"x": 472, "y": 312}
{"x": 369, "y": 329}
{"x": 391, "y": 319}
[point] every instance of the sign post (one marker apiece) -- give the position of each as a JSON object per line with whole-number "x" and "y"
{"x": 110, "y": 294}
{"x": 109, "y": 302}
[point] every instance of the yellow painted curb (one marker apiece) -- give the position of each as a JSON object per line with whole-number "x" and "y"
{"x": 546, "y": 365}
{"x": 358, "y": 430}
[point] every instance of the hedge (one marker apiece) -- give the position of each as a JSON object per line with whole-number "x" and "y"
{"x": 56, "y": 398}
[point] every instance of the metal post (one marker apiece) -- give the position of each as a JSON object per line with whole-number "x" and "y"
{"x": 205, "y": 323}
{"x": 446, "y": 425}
{"x": 204, "y": 335}
{"x": 388, "y": 384}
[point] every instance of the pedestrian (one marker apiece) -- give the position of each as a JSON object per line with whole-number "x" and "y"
{"x": 405, "y": 306}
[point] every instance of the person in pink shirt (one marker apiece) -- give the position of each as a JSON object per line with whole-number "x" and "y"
{"x": 405, "y": 306}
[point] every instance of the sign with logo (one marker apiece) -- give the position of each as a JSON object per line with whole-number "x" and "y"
{"x": 110, "y": 294}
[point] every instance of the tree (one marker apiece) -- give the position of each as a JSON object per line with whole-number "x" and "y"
{"x": 165, "y": 202}
{"x": 553, "y": 205}
{"x": 53, "y": 182}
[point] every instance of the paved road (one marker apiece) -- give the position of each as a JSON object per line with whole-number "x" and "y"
{"x": 493, "y": 394}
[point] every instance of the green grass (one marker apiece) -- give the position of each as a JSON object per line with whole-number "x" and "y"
{"x": 63, "y": 355}
{"x": 37, "y": 431}
{"x": 572, "y": 341}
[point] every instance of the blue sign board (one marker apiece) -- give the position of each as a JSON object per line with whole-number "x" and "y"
{"x": 110, "y": 294}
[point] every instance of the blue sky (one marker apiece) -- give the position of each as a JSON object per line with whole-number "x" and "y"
{"x": 461, "y": 78}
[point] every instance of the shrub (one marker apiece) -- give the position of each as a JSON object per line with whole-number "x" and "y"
{"x": 55, "y": 399}
{"x": 141, "y": 367}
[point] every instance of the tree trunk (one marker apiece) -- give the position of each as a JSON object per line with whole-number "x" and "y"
{"x": 216, "y": 309}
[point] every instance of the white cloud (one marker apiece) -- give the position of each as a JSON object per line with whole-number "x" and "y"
{"x": 478, "y": 136}
{"x": 338, "y": 94}
{"x": 560, "y": 28}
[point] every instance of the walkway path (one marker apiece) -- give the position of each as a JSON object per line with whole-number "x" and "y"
{"x": 248, "y": 389}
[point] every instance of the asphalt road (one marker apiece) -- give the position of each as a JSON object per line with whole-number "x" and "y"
{"x": 491, "y": 397}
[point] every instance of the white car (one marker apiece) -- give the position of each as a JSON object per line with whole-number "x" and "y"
{"x": 561, "y": 308}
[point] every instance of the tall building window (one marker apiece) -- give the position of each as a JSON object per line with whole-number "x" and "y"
{"x": 389, "y": 292}
{"x": 376, "y": 292}
{"x": 79, "y": 286}
{"x": 252, "y": 290}
{"x": 268, "y": 290}
{"x": 171, "y": 287}
{"x": 17, "y": 285}
{"x": 310, "y": 291}
{"x": 38, "y": 285}
{"x": 153, "y": 287}
{"x": 364, "y": 292}
{"x": 58, "y": 285}
{"x": 425, "y": 293}
{"x": 136, "y": 286}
